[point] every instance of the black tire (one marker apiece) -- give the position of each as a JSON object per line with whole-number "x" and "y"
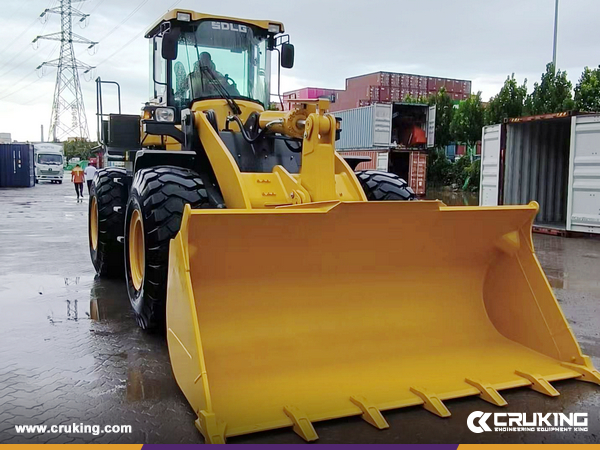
{"x": 159, "y": 196}
{"x": 59, "y": 181}
{"x": 383, "y": 186}
{"x": 109, "y": 190}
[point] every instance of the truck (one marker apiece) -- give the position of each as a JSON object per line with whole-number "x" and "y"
{"x": 49, "y": 162}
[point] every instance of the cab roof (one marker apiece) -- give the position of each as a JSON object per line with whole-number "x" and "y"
{"x": 172, "y": 15}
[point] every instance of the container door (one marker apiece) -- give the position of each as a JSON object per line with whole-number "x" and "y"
{"x": 382, "y": 125}
{"x": 431, "y": 127}
{"x": 583, "y": 204}
{"x": 490, "y": 166}
{"x": 383, "y": 161}
{"x": 418, "y": 169}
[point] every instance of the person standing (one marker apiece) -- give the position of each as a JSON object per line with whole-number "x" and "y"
{"x": 90, "y": 172}
{"x": 77, "y": 177}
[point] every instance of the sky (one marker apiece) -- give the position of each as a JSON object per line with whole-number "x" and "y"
{"x": 479, "y": 40}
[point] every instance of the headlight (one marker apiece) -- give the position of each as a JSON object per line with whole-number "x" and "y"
{"x": 184, "y": 17}
{"x": 164, "y": 115}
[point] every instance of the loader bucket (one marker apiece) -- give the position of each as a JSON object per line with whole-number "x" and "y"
{"x": 299, "y": 314}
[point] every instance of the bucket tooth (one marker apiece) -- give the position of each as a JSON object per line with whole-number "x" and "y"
{"x": 212, "y": 430}
{"x": 302, "y": 425}
{"x": 587, "y": 371}
{"x": 487, "y": 392}
{"x": 431, "y": 402}
{"x": 371, "y": 413}
{"x": 539, "y": 384}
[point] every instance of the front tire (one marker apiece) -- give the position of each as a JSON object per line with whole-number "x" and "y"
{"x": 108, "y": 197}
{"x": 384, "y": 186}
{"x": 153, "y": 218}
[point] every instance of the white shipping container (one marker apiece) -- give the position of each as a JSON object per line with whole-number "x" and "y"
{"x": 370, "y": 127}
{"x": 553, "y": 160}
{"x": 366, "y": 127}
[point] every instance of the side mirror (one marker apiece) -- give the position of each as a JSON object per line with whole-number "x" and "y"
{"x": 170, "y": 42}
{"x": 287, "y": 56}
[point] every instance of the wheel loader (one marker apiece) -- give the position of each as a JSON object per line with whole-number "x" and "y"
{"x": 291, "y": 289}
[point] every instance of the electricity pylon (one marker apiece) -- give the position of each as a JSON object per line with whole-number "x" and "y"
{"x": 68, "y": 99}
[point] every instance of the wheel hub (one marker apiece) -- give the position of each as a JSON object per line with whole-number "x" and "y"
{"x": 94, "y": 223}
{"x": 136, "y": 249}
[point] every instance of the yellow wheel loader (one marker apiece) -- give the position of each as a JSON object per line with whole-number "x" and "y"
{"x": 284, "y": 291}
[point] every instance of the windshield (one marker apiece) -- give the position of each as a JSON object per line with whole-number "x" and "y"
{"x": 49, "y": 159}
{"x": 217, "y": 57}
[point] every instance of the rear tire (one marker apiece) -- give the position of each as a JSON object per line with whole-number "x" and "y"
{"x": 108, "y": 197}
{"x": 154, "y": 211}
{"x": 384, "y": 186}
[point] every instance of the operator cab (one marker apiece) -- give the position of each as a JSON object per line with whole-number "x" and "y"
{"x": 198, "y": 57}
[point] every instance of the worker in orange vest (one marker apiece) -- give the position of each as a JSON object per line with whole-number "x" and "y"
{"x": 77, "y": 177}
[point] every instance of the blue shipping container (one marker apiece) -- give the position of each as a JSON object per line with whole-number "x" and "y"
{"x": 17, "y": 165}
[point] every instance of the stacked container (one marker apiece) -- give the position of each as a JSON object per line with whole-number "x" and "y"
{"x": 385, "y": 87}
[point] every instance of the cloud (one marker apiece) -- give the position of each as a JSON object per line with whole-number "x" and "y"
{"x": 483, "y": 41}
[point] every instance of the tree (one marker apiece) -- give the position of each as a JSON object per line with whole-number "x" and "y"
{"x": 439, "y": 169}
{"x": 468, "y": 120}
{"x": 552, "y": 94}
{"x": 509, "y": 102}
{"x": 587, "y": 91}
{"x": 443, "y": 117}
{"x": 78, "y": 148}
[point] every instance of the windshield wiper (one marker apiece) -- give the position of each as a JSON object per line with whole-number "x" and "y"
{"x": 222, "y": 90}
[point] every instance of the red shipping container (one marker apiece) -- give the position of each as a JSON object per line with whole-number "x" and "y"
{"x": 370, "y": 165}
{"x": 404, "y": 81}
{"x": 385, "y": 94}
{"x": 396, "y": 94}
{"x": 418, "y": 172}
{"x": 431, "y": 84}
{"x": 395, "y": 80}
{"x": 373, "y": 93}
{"x": 384, "y": 79}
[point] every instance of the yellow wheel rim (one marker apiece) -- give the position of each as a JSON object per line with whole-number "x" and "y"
{"x": 94, "y": 224}
{"x": 136, "y": 249}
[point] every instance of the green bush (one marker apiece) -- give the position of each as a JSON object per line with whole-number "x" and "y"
{"x": 463, "y": 173}
{"x": 439, "y": 169}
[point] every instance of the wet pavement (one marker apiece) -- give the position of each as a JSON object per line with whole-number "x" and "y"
{"x": 70, "y": 351}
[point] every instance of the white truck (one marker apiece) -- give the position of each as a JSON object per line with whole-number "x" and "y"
{"x": 49, "y": 162}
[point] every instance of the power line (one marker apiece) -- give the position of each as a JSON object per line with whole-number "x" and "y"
{"x": 28, "y": 75}
{"x": 20, "y": 51}
{"x": 23, "y": 87}
{"x": 129, "y": 16}
{"x": 136, "y": 36}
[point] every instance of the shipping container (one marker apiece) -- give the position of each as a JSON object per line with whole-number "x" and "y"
{"x": 17, "y": 165}
{"x": 385, "y": 94}
{"x": 379, "y": 159}
{"x": 409, "y": 165}
{"x": 399, "y": 125}
{"x": 552, "y": 159}
{"x": 309, "y": 93}
{"x": 365, "y": 128}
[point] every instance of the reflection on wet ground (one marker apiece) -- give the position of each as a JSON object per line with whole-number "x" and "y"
{"x": 71, "y": 351}
{"x": 451, "y": 197}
